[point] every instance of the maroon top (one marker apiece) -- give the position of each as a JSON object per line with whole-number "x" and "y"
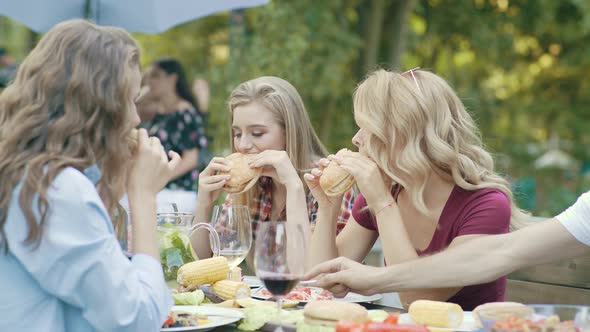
{"x": 484, "y": 211}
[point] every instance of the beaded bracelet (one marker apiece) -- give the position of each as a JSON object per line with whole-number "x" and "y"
{"x": 383, "y": 208}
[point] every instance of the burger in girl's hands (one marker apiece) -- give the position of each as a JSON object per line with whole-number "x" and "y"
{"x": 242, "y": 176}
{"x": 335, "y": 180}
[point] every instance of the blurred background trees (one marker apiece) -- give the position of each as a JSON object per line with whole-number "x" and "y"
{"x": 520, "y": 67}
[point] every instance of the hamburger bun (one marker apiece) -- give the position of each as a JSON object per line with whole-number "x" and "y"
{"x": 242, "y": 176}
{"x": 328, "y": 313}
{"x": 335, "y": 180}
{"x": 502, "y": 308}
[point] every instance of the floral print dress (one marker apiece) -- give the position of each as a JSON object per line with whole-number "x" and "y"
{"x": 179, "y": 131}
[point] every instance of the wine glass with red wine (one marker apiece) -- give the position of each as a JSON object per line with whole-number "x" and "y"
{"x": 279, "y": 257}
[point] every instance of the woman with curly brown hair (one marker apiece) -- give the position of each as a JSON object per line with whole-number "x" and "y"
{"x": 65, "y": 129}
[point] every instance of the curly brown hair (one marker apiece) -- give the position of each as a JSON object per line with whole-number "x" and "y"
{"x": 69, "y": 106}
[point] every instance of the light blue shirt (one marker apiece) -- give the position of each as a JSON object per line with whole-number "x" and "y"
{"x": 78, "y": 279}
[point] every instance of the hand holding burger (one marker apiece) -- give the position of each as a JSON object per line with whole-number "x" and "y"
{"x": 241, "y": 176}
{"x": 335, "y": 180}
{"x": 329, "y": 182}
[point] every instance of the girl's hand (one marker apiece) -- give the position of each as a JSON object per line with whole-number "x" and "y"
{"x": 211, "y": 183}
{"x": 278, "y": 166}
{"x": 313, "y": 183}
{"x": 151, "y": 169}
{"x": 371, "y": 181}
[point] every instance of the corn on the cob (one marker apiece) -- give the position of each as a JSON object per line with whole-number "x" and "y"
{"x": 205, "y": 271}
{"x": 436, "y": 314}
{"x": 236, "y": 274}
{"x": 229, "y": 289}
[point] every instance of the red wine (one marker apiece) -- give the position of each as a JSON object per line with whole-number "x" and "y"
{"x": 279, "y": 286}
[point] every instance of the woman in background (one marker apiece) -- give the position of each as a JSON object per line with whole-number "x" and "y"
{"x": 180, "y": 127}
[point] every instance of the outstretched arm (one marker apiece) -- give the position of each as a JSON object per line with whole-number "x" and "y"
{"x": 473, "y": 262}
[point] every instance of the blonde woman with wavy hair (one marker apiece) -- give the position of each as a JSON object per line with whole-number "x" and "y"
{"x": 68, "y": 154}
{"x": 426, "y": 181}
{"x": 268, "y": 118}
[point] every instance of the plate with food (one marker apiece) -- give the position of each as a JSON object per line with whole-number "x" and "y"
{"x": 307, "y": 294}
{"x": 534, "y": 318}
{"x": 199, "y": 318}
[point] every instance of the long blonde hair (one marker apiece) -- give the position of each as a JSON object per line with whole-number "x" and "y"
{"x": 303, "y": 145}
{"x": 417, "y": 125}
{"x": 67, "y": 107}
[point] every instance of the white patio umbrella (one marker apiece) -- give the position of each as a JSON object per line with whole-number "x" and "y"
{"x": 555, "y": 158}
{"x": 150, "y": 16}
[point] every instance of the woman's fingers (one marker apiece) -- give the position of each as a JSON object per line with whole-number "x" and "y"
{"x": 323, "y": 163}
{"x": 214, "y": 179}
{"x": 268, "y": 158}
{"x": 218, "y": 167}
{"x": 174, "y": 160}
{"x": 339, "y": 290}
{"x": 312, "y": 181}
{"x": 262, "y": 161}
{"x": 212, "y": 186}
{"x": 142, "y": 138}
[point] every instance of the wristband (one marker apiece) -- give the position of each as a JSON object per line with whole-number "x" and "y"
{"x": 383, "y": 208}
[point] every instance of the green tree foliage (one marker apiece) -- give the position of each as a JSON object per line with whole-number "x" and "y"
{"x": 519, "y": 65}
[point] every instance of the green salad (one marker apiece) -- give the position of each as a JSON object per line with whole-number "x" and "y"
{"x": 175, "y": 249}
{"x": 189, "y": 298}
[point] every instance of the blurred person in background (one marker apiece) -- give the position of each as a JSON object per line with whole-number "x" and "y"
{"x": 179, "y": 125}
{"x": 7, "y": 67}
{"x": 202, "y": 93}
{"x": 147, "y": 106}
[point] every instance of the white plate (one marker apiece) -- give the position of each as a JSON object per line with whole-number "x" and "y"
{"x": 354, "y": 297}
{"x": 350, "y": 297}
{"x": 252, "y": 281}
{"x": 467, "y": 325}
{"x": 217, "y": 317}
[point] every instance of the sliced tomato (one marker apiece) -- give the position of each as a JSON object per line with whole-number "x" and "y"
{"x": 349, "y": 327}
{"x": 409, "y": 328}
{"x": 169, "y": 321}
{"x": 386, "y": 327}
{"x": 326, "y": 295}
{"x": 392, "y": 318}
{"x": 378, "y": 327}
{"x": 306, "y": 290}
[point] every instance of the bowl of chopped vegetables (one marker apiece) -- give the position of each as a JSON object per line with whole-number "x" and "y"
{"x": 532, "y": 318}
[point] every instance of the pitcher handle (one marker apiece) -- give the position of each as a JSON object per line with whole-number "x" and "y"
{"x": 216, "y": 243}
